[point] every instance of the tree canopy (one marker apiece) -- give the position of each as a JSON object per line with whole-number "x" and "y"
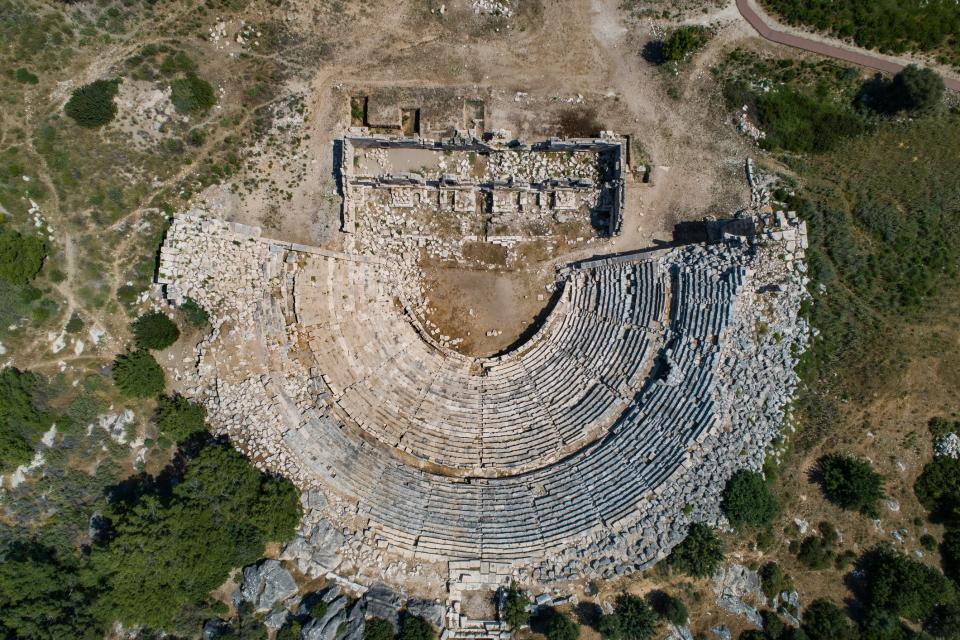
{"x": 154, "y": 330}
{"x": 179, "y": 418}
{"x": 902, "y": 586}
{"x": 138, "y": 375}
{"x": 634, "y": 619}
{"x": 415, "y": 628}
{"x": 700, "y": 553}
{"x": 850, "y": 483}
{"x": 22, "y": 422}
{"x": 514, "y": 611}
{"x": 173, "y": 546}
{"x": 21, "y": 257}
{"x": 823, "y": 620}
{"x": 562, "y": 627}
{"x": 92, "y": 105}
{"x": 192, "y": 94}
{"x": 938, "y": 486}
{"x": 747, "y": 500}
{"x": 377, "y": 629}
{"x": 683, "y": 41}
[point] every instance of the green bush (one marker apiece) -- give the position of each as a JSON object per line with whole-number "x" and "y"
{"x": 192, "y": 94}
{"x": 823, "y": 620}
{"x": 154, "y": 331}
{"x": 515, "y": 605}
{"x": 673, "y": 610}
{"x": 415, "y": 628}
{"x": 938, "y": 486}
{"x": 175, "y": 543}
{"x": 917, "y": 89}
{"x": 608, "y": 626}
{"x": 683, "y": 41}
{"x": 377, "y": 629}
{"x": 138, "y": 375}
{"x": 850, "y": 483}
{"x": 92, "y": 105}
{"x": 747, "y": 500}
{"x": 635, "y": 619}
{"x": 291, "y": 631}
{"x": 24, "y": 76}
{"x": 950, "y": 552}
{"x": 772, "y": 579}
{"x": 814, "y": 553}
{"x": 22, "y": 421}
{"x": 902, "y": 586}
{"x": 179, "y": 418}
{"x": 562, "y": 627}
{"x": 317, "y": 609}
{"x": 196, "y": 315}
{"x": 74, "y": 324}
{"x": 801, "y": 122}
{"x": 945, "y": 622}
{"x": 21, "y": 257}
{"x": 700, "y": 553}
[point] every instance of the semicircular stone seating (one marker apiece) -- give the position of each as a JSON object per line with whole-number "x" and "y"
{"x": 488, "y": 416}
{"x": 597, "y": 487}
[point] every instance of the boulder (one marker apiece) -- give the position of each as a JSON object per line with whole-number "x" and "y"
{"x": 383, "y": 602}
{"x": 216, "y": 628}
{"x": 430, "y": 610}
{"x": 265, "y": 584}
{"x": 316, "y": 553}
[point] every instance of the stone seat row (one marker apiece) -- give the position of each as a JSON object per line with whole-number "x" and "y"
{"x": 526, "y": 515}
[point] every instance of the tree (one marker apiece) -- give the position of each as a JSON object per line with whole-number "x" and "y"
{"x": 21, "y": 257}
{"x": 515, "y": 605}
{"x": 179, "y": 539}
{"x": 22, "y": 422}
{"x": 950, "y": 552}
{"x": 945, "y": 622}
{"x": 562, "y": 627}
{"x": 917, "y": 89}
{"x": 291, "y": 631}
{"x": 700, "y": 553}
{"x": 179, "y": 418}
{"x": 772, "y": 579}
{"x": 823, "y": 620}
{"x": 138, "y": 375}
{"x": 850, "y": 483}
{"x": 608, "y": 626}
{"x": 747, "y": 500}
{"x": 902, "y": 586}
{"x": 635, "y": 619}
{"x": 42, "y": 596}
{"x": 415, "y": 628}
{"x": 154, "y": 331}
{"x": 192, "y": 94}
{"x": 938, "y": 486}
{"x": 684, "y": 41}
{"x": 377, "y": 629}
{"x": 92, "y": 105}
{"x": 672, "y": 610}
{"x": 196, "y": 315}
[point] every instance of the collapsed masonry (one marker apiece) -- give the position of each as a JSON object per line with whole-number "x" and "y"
{"x": 585, "y": 452}
{"x": 505, "y": 179}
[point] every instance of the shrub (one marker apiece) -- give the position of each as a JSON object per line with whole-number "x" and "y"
{"x": 823, "y": 620}
{"x": 902, "y": 586}
{"x": 684, "y": 41}
{"x": 377, "y": 629}
{"x": 747, "y": 500}
{"x": 850, "y": 483}
{"x": 514, "y": 611}
{"x": 672, "y": 610}
{"x": 22, "y": 422}
{"x": 291, "y": 631}
{"x": 800, "y": 122}
{"x": 196, "y": 315}
{"x": 700, "y": 553}
{"x": 192, "y": 94}
{"x": 154, "y": 331}
{"x": 562, "y": 627}
{"x": 317, "y": 609}
{"x": 950, "y": 553}
{"x": 74, "y": 324}
{"x": 608, "y": 626}
{"x": 917, "y": 89}
{"x": 928, "y": 542}
{"x": 138, "y": 375}
{"x": 415, "y": 628}
{"x": 21, "y": 257}
{"x": 814, "y": 553}
{"x": 938, "y": 486}
{"x": 179, "y": 418}
{"x": 92, "y": 105}
{"x": 635, "y": 619}
{"x": 772, "y": 579}
{"x": 25, "y": 77}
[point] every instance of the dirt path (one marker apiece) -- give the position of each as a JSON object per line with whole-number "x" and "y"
{"x": 760, "y": 21}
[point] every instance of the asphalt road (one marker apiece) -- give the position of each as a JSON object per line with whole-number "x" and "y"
{"x": 858, "y": 57}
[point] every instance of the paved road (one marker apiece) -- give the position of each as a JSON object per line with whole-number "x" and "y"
{"x": 855, "y": 56}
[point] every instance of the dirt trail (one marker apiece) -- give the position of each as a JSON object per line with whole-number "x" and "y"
{"x": 760, "y": 21}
